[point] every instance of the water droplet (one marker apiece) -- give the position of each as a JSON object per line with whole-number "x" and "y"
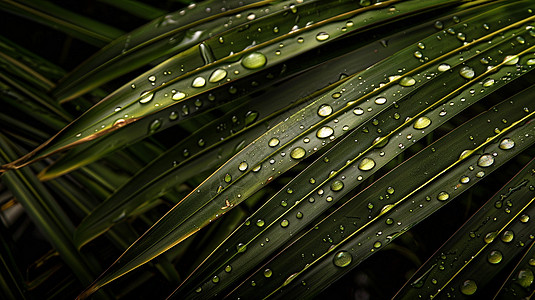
{"x": 444, "y": 67}
{"x": 421, "y": 123}
{"x": 228, "y": 178}
{"x": 215, "y": 279}
{"x": 254, "y": 60}
{"x": 251, "y": 16}
{"x": 407, "y": 81}
{"x": 439, "y": 25}
{"x": 390, "y": 190}
{"x": 324, "y": 132}
{"x": 299, "y": 215}
{"x": 507, "y": 144}
{"x": 337, "y": 185}
{"x": 152, "y": 78}
{"x": 146, "y": 97}
{"x": 173, "y": 116}
{"x": 325, "y": 110}
{"x": 322, "y": 36}
{"x": 178, "y": 96}
{"x": 380, "y": 100}
{"x": 342, "y": 259}
{"x": 467, "y": 72}
{"x": 117, "y": 123}
{"x": 377, "y": 244}
{"x": 488, "y": 82}
{"x": 198, "y": 82}
{"x": 268, "y": 273}
{"x": 285, "y": 223}
{"x": 489, "y": 238}
{"x": 418, "y": 54}
{"x": 218, "y": 75}
{"x": 366, "y": 164}
{"x": 525, "y": 278}
{"x": 155, "y": 125}
{"x": 241, "y": 247}
{"x": 298, "y": 153}
{"x": 465, "y": 179}
{"x": 461, "y": 36}
{"x": 243, "y": 166}
{"x": 507, "y": 236}
{"x": 486, "y": 160}
{"x": 494, "y": 257}
{"x": 524, "y": 218}
{"x": 511, "y": 60}
{"x": 358, "y": 111}
{"x": 273, "y": 142}
{"x": 468, "y": 287}
{"x": 443, "y": 196}
{"x": 198, "y": 290}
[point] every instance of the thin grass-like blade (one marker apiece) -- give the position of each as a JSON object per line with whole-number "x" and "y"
{"x": 519, "y": 284}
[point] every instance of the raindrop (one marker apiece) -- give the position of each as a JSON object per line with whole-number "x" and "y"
{"x": 254, "y": 60}
{"x": 268, "y": 273}
{"x": 511, "y": 60}
{"x": 298, "y": 153}
{"x": 467, "y": 72}
{"x": 299, "y": 215}
{"x": 524, "y": 218}
{"x": 322, "y": 36}
{"x": 155, "y": 125}
{"x": 468, "y": 287}
{"x": 507, "y": 144}
{"x": 444, "y": 67}
{"x": 284, "y": 223}
{"x": 486, "y": 160}
{"x": 507, "y": 236}
{"x": 525, "y": 278}
{"x": 488, "y": 82}
{"x": 390, "y": 190}
{"x": 494, "y": 257}
{"x": 443, "y": 196}
{"x": 243, "y": 166}
{"x": 337, "y": 185}
{"x": 215, "y": 279}
{"x": 324, "y": 132}
{"x": 273, "y": 142}
{"x": 218, "y": 75}
{"x": 228, "y": 178}
{"x": 146, "y": 97}
{"x": 465, "y": 179}
{"x": 380, "y": 100}
{"x": 377, "y": 244}
{"x": 421, "y": 123}
{"x": 228, "y": 268}
{"x": 358, "y": 111}
{"x": 178, "y": 96}
{"x": 366, "y": 164}
{"x": 342, "y": 259}
{"x": 418, "y": 54}
{"x": 198, "y": 82}
{"x": 152, "y": 78}
{"x": 439, "y": 25}
{"x": 325, "y": 110}
{"x": 241, "y": 247}
{"x": 407, "y": 81}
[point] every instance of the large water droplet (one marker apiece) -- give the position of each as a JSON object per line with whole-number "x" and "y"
{"x": 198, "y": 82}
{"x": 486, "y": 160}
{"x": 178, "y": 96}
{"x": 444, "y": 67}
{"x": 337, "y": 185}
{"x": 494, "y": 257}
{"x": 324, "y": 132}
{"x": 322, "y": 36}
{"x": 511, "y": 60}
{"x": 525, "y": 278}
{"x": 421, "y": 123}
{"x": 507, "y": 144}
{"x": 325, "y": 110}
{"x": 298, "y": 153}
{"x": 366, "y": 164}
{"x": 380, "y": 100}
{"x": 467, "y": 72}
{"x": 146, "y": 97}
{"x": 218, "y": 75}
{"x": 507, "y": 236}
{"x": 407, "y": 81}
{"x": 254, "y": 60}
{"x": 468, "y": 287}
{"x": 443, "y": 196}
{"x": 268, "y": 273}
{"x": 342, "y": 259}
{"x": 273, "y": 142}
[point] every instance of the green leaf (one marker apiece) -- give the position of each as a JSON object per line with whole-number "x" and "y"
{"x": 136, "y": 8}
{"x": 519, "y": 284}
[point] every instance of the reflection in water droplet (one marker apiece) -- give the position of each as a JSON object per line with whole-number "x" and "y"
{"x": 377, "y": 244}
{"x": 155, "y": 125}
{"x": 268, "y": 273}
{"x": 273, "y": 142}
{"x": 421, "y": 123}
{"x": 507, "y": 236}
{"x": 486, "y": 160}
{"x": 146, "y": 97}
{"x": 298, "y": 153}
{"x": 241, "y": 247}
{"x": 467, "y": 72}
{"x": 439, "y": 25}
{"x": 489, "y": 238}
{"x": 525, "y": 278}
{"x": 524, "y": 218}
{"x": 358, "y": 111}
{"x": 243, "y": 166}
{"x": 342, "y": 259}
{"x": 495, "y": 257}
{"x": 444, "y": 67}
{"x": 507, "y": 144}
{"x": 325, "y": 110}
{"x": 254, "y": 60}
{"x": 511, "y": 60}
{"x": 468, "y": 287}
{"x": 443, "y": 196}
{"x": 390, "y": 190}
{"x": 337, "y": 185}
{"x": 366, "y": 164}
{"x": 178, "y": 96}
{"x": 215, "y": 279}
{"x": 488, "y": 82}
{"x": 285, "y": 223}
{"x": 322, "y": 36}
{"x": 380, "y": 100}
{"x": 218, "y": 75}
{"x": 228, "y": 178}
{"x": 324, "y": 132}
{"x": 407, "y": 81}
{"x": 198, "y": 82}
{"x": 465, "y": 179}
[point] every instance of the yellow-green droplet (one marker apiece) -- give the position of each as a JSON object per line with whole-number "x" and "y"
{"x": 443, "y": 196}
{"x": 155, "y": 125}
{"x": 299, "y": 215}
{"x": 337, "y": 185}
{"x": 494, "y": 257}
{"x": 324, "y": 132}
{"x": 228, "y": 178}
{"x": 260, "y": 223}
{"x": 178, "y": 96}
{"x": 489, "y": 238}
{"x": 407, "y": 81}
{"x": 366, "y": 164}
{"x": 273, "y": 142}
{"x": 488, "y": 82}
{"x": 524, "y": 218}
{"x": 377, "y": 244}
{"x": 298, "y": 153}
{"x": 421, "y": 123}
{"x": 325, "y": 110}
{"x": 443, "y": 67}
{"x": 525, "y": 278}
{"x": 146, "y": 97}
{"x": 285, "y": 223}
{"x": 268, "y": 273}
{"x": 465, "y": 179}
{"x": 507, "y": 144}
{"x": 342, "y": 259}
{"x": 511, "y": 60}
{"x": 218, "y": 75}
{"x": 228, "y": 268}
{"x": 243, "y": 166}
{"x": 241, "y": 247}
{"x": 322, "y": 36}
{"x": 468, "y": 287}
{"x": 486, "y": 160}
{"x": 198, "y": 82}
{"x": 390, "y": 190}
{"x": 215, "y": 279}
{"x": 467, "y": 72}
{"x": 254, "y": 60}
{"x": 507, "y": 236}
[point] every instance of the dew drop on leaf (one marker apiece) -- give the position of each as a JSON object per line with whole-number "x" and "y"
{"x": 268, "y": 273}
{"x": 273, "y": 142}
{"x": 366, "y": 164}
{"x": 218, "y": 75}
{"x": 380, "y": 100}
{"x": 322, "y": 36}
{"x": 337, "y": 185}
{"x": 443, "y": 67}
{"x": 146, "y": 97}
{"x": 507, "y": 236}
{"x": 421, "y": 123}
{"x": 467, "y": 72}
{"x": 298, "y": 153}
{"x": 468, "y": 287}
{"x": 178, "y": 96}
{"x": 486, "y": 160}
{"x": 254, "y": 60}
{"x": 525, "y": 278}
{"x": 507, "y": 144}
{"x": 443, "y": 196}
{"x": 198, "y": 82}
{"x": 285, "y": 223}
{"x": 228, "y": 268}
{"x": 324, "y": 132}
{"x": 494, "y": 257}
{"x": 342, "y": 259}
{"x": 325, "y": 110}
{"x": 511, "y": 60}
{"x": 243, "y": 166}
{"x": 407, "y": 81}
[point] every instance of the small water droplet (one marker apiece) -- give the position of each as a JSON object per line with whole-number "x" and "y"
{"x": 488, "y": 82}
{"x": 443, "y": 196}
{"x": 390, "y": 190}
{"x": 507, "y": 144}
{"x": 439, "y": 25}
{"x": 178, "y": 96}
{"x": 525, "y": 278}
{"x": 215, "y": 279}
{"x": 228, "y": 178}
{"x": 146, "y": 97}
{"x": 342, "y": 259}
{"x": 228, "y": 268}
{"x": 241, "y": 247}
{"x": 444, "y": 67}
{"x": 285, "y": 223}
{"x": 268, "y": 273}
{"x": 507, "y": 236}
{"x": 407, "y": 81}
{"x": 380, "y": 100}
{"x": 358, "y": 111}
{"x": 366, "y": 164}
{"x": 465, "y": 179}
{"x": 511, "y": 60}
{"x": 337, "y": 185}
{"x": 273, "y": 142}
{"x": 155, "y": 125}
{"x": 243, "y": 166}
